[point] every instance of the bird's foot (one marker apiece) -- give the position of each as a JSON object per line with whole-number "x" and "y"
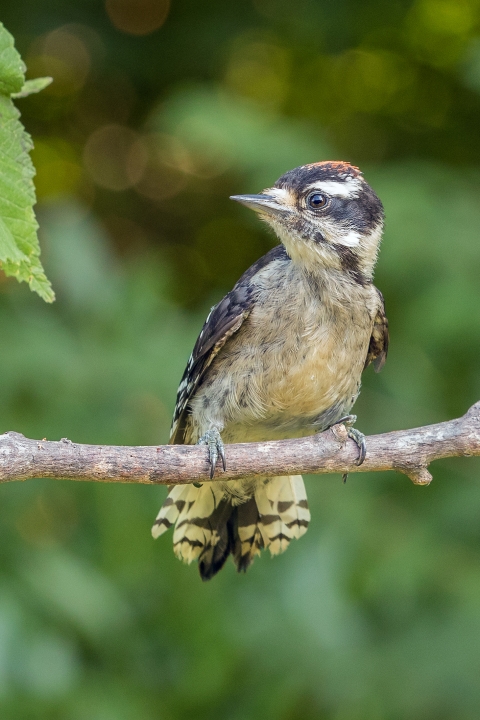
{"x": 214, "y": 442}
{"x": 357, "y": 437}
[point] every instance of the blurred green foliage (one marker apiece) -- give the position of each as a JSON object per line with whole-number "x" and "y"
{"x": 155, "y": 116}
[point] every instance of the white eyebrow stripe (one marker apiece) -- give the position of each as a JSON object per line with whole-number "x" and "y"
{"x": 348, "y": 188}
{"x": 351, "y": 239}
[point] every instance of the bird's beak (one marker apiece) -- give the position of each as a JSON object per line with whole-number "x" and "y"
{"x": 266, "y": 204}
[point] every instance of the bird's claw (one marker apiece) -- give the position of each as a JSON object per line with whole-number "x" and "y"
{"x": 221, "y": 452}
{"x": 216, "y": 448}
{"x": 357, "y": 437}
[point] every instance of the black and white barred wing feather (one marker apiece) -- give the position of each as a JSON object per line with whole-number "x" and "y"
{"x": 225, "y": 319}
{"x": 378, "y": 347}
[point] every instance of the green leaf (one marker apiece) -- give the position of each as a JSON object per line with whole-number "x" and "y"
{"x": 19, "y": 247}
{"x": 9, "y": 252}
{"x": 17, "y": 198}
{"x": 12, "y": 68}
{"x": 33, "y": 86}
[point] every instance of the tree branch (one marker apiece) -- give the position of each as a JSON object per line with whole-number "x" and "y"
{"x": 407, "y": 451}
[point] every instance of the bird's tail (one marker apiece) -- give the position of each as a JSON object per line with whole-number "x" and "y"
{"x": 208, "y": 527}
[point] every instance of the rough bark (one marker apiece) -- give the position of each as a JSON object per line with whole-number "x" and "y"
{"x": 407, "y": 451}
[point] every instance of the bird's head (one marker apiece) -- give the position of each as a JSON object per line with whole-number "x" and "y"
{"x": 325, "y": 214}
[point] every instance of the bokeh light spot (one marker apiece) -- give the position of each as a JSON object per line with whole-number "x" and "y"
{"x": 137, "y": 17}
{"x": 371, "y": 80}
{"x": 63, "y": 55}
{"x": 168, "y": 163}
{"x": 259, "y": 69}
{"x": 115, "y": 157}
{"x": 449, "y": 17}
{"x": 439, "y": 30}
{"x": 59, "y": 172}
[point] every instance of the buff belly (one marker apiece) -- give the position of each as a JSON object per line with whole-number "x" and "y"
{"x": 291, "y": 388}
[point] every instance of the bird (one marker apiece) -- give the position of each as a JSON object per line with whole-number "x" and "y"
{"x": 280, "y": 356}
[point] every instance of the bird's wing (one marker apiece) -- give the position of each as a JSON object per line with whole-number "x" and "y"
{"x": 378, "y": 347}
{"x": 224, "y": 320}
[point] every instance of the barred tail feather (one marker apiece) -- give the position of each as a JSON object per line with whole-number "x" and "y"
{"x": 284, "y": 514}
{"x": 199, "y": 515}
{"x": 208, "y": 528}
{"x": 171, "y": 509}
{"x": 249, "y": 541}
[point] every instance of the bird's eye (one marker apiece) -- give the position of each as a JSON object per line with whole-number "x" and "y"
{"x": 317, "y": 200}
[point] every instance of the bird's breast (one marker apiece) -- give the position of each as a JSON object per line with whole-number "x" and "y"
{"x": 289, "y": 373}
{"x": 317, "y": 366}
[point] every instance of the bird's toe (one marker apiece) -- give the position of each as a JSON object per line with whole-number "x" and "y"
{"x": 213, "y": 440}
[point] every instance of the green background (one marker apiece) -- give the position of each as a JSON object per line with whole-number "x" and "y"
{"x": 155, "y": 117}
